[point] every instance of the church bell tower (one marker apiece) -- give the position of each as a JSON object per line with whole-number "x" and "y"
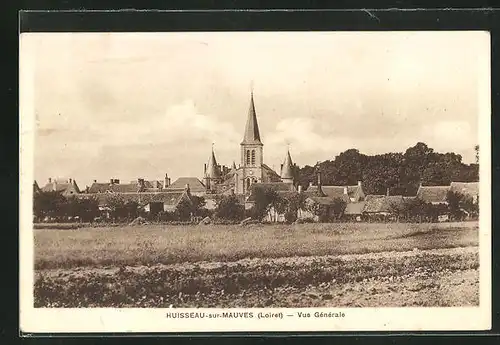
{"x": 251, "y": 150}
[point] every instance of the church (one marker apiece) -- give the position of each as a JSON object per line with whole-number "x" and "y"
{"x": 251, "y": 171}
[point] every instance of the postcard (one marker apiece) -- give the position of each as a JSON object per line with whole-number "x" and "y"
{"x": 255, "y": 181}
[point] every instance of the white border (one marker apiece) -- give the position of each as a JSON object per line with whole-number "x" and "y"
{"x": 153, "y": 320}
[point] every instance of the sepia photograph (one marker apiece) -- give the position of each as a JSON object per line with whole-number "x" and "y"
{"x": 246, "y": 176}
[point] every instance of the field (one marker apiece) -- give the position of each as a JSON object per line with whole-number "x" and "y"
{"x": 259, "y": 265}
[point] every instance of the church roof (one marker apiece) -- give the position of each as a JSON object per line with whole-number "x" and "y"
{"x": 287, "y": 170}
{"x": 252, "y": 134}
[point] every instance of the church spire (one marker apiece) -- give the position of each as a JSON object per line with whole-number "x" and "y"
{"x": 252, "y": 135}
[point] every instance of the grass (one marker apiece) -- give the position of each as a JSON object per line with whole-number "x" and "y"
{"x": 152, "y": 244}
{"x": 255, "y": 284}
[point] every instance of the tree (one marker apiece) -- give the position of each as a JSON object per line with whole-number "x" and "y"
{"x": 116, "y": 204}
{"x": 131, "y": 209}
{"x": 88, "y": 209}
{"x": 337, "y": 208}
{"x": 183, "y": 210}
{"x": 401, "y": 172}
{"x": 264, "y": 199}
{"x": 49, "y": 204}
{"x": 228, "y": 207}
{"x": 197, "y": 205}
{"x": 455, "y": 201}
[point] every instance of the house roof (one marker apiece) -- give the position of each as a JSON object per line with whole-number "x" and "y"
{"x": 313, "y": 191}
{"x": 195, "y": 185}
{"x": 382, "y": 203}
{"x": 252, "y": 134}
{"x": 279, "y": 187}
{"x": 168, "y": 198}
{"x": 377, "y": 204}
{"x": 337, "y": 191}
{"x": 433, "y": 193}
{"x": 354, "y": 208}
{"x": 98, "y": 187}
{"x": 372, "y": 196}
{"x": 61, "y": 185}
{"x": 467, "y": 188}
{"x": 322, "y": 200}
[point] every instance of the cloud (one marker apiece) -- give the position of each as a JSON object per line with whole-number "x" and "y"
{"x": 304, "y": 139}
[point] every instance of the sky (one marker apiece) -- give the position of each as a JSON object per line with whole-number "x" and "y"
{"x": 139, "y": 105}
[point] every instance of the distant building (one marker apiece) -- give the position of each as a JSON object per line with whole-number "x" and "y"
{"x": 67, "y": 187}
{"x": 437, "y": 195}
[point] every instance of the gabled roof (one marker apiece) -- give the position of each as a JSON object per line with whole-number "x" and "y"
{"x": 36, "y": 188}
{"x": 195, "y": 185}
{"x": 382, "y": 203}
{"x": 287, "y": 170}
{"x": 252, "y": 134}
{"x": 61, "y": 185}
{"x": 322, "y": 200}
{"x": 276, "y": 186}
{"x": 270, "y": 173}
{"x": 466, "y": 188}
{"x": 337, "y": 191}
{"x": 98, "y": 187}
{"x": 433, "y": 193}
{"x": 354, "y": 208}
{"x": 168, "y": 198}
{"x": 314, "y": 191}
{"x": 372, "y": 196}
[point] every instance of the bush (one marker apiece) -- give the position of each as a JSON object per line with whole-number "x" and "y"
{"x": 228, "y": 207}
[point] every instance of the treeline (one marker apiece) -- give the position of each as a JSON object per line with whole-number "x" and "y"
{"x": 400, "y": 172}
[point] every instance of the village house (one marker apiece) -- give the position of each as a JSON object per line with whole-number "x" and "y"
{"x": 437, "y": 195}
{"x": 67, "y": 187}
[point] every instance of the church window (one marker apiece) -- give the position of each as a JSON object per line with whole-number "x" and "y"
{"x": 248, "y": 157}
{"x": 253, "y": 157}
{"x": 248, "y": 184}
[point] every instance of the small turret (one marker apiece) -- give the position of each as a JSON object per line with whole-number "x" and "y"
{"x": 287, "y": 169}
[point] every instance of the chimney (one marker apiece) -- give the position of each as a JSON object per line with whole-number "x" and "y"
{"x": 70, "y": 180}
{"x": 187, "y": 187}
{"x": 359, "y": 183}
{"x": 112, "y": 181}
{"x": 54, "y": 185}
{"x": 87, "y": 189}
{"x": 281, "y": 168}
{"x": 117, "y": 181}
{"x": 300, "y": 189}
{"x": 387, "y": 193}
{"x": 345, "y": 190}
{"x": 95, "y": 181}
{"x": 50, "y": 180}
{"x": 205, "y": 169}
